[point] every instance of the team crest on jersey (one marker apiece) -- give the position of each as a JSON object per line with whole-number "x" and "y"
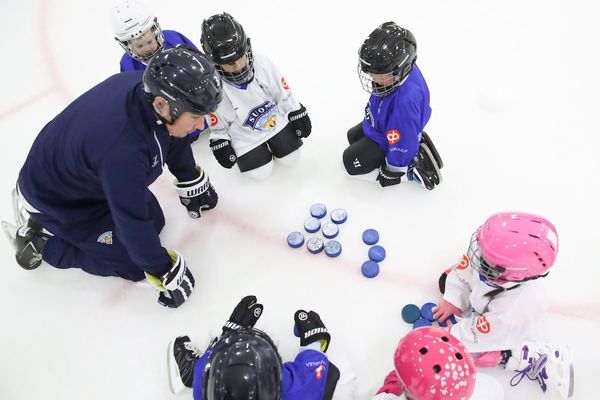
{"x": 262, "y": 117}
{"x": 393, "y": 136}
{"x": 105, "y": 238}
{"x": 483, "y": 325}
{"x": 212, "y": 119}
{"x": 284, "y": 83}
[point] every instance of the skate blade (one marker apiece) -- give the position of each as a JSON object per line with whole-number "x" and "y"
{"x": 175, "y": 382}
{"x": 18, "y": 209}
{"x": 11, "y": 232}
{"x": 433, "y": 162}
{"x": 427, "y": 140}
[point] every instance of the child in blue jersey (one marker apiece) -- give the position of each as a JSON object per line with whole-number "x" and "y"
{"x": 138, "y": 32}
{"x": 244, "y": 363}
{"x": 390, "y": 141}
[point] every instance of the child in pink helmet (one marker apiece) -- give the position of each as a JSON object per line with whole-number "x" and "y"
{"x": 495, "y": 291}
{"x": 431, "y": 364}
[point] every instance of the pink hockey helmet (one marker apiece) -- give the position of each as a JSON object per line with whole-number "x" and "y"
{"x": 433, "y": 365}
{"x": 514, "y": 247}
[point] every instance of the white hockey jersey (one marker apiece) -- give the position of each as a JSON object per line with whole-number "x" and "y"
{"x": 251, "y": 114}
{"x": 500, "y": 322}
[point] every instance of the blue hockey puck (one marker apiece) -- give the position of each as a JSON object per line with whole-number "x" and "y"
{"x": 296, "y": 333}
{"x": 295, "y": 239}
{"x": 421, "y": 322}
{"x": 410, "y": 313}
{"x": 312, "y": 225}
{"x": 318, "y": 210}
{"x": 330, "y": 230}
{"x": 426, "y": 311}
{"x": 315, "y": 245}
{"x": 370, "y": 269}
{"x": 444, "y": 323}
{"x": 339, "y": 215}
{"x": 377, "y": 253}
{"x": 370, "y": 236}
{"x": 333, "y": 248}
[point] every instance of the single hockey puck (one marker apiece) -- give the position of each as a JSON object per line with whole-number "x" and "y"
{"x": 333, "y": 248}
{"x": 426, "y": 311}
{"x": 410, "y": 313}
{"x": 315, "y": 245}
{"x": 377, "y": 253}
{"x": 444, "y": 323}
{"x": 330, "y": 230}
{"x": 370, "y": 236}
{"x": 312, "y": 225}
{"x": 421, "y": 322}
{"x": 318, "y": 210}
{"x": 339, "y": 215}
{"x": 296, "y": 333}
{"x": 295, "y": 239}
{"x": 370, "y": 269}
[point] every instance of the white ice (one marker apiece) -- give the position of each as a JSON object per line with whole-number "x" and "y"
{"x": 514, "y": 90}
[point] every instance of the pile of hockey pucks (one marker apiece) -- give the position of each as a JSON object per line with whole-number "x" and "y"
{"x": 329, "y": 230}
{"x": 370, "y": 268}
{"x": 412, "y": 314}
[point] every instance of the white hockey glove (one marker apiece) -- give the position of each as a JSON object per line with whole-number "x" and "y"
{"x": 198, "y": 194}
{"x": 176, "y": 285}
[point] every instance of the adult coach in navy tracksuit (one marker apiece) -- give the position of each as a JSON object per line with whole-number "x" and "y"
{"x": 87, "y": 174}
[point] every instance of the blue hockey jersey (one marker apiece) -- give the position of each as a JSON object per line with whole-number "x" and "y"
{"x": 98, "y": 156}
{"x": 395, "y": 121}
{"x": 172, "y": 39}
{"x": 302, "y": 379}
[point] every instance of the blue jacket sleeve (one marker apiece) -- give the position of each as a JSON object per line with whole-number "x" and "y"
{"x": 127, "y": 63}
{"x": 198, "y": 380}
{"x": 180, "y": 159}
{"x": 306, "y": 376}
{"x": 123, "y": 176}
{"x": 403, "y": 133}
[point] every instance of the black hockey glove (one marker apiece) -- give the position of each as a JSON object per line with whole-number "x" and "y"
{"x": 311, "y": 329}
{"x": 389, "y": 178}
{"x": 223, "y": 152}
{"x": 245, "y": 315}
{"x": 198, "y": 194}
{"x": 300, "y": 122}
{"x": 176, "y": 285}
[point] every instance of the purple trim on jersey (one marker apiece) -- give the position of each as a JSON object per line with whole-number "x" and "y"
{"x": 172, "y": 39}
{"x": 302, "y": 379}
{"x": 395, "y": 121}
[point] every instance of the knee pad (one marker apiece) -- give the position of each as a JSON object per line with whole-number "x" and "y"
{"x": 291, "y": 159}
{"x": 355, "y": 133}
{"x": 260, "y": 173}
{"x": 362, "y": 157}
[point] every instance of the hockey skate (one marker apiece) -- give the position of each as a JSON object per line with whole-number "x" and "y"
{"x": 28, "y": 240}
{"x": 181, "y": 358}
{"x": 424, "y": 168}
{"x": 427, "y": 140}
{"x": 551, "y": 366}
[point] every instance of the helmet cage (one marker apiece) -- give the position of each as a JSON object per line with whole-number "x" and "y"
{"x": 245, "y": 75}
{"x": 158, "y": 36}
{"x": 486, "y": 269}
{"x": 397, "y": 77}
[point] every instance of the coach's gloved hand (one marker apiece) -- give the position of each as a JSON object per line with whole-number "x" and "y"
{"x": 300, "y": 122}
{"x": 176, "y": 285}
{"x": 311, "y": 329}
{"x": 223, "y": 152}
{"x": 198, "y": 194}
{"x": 245, "y": 315}
{"x": 387, "y": 177}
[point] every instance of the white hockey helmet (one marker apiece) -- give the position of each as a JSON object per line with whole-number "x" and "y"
{"x": 131, "y": 20}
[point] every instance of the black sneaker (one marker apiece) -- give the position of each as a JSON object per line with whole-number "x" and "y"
{"x": 29, "y": 241}
{"x": 181, "y": 357}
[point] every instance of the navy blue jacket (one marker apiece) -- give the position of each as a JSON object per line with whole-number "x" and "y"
{"x": 98, "y": 156}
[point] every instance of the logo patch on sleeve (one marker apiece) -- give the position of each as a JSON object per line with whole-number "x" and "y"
{"x": 212, "y": 119}
{"x": 464, "y": 263}
{"x": 284, "y": 83}
{"x": 393, "y": 136}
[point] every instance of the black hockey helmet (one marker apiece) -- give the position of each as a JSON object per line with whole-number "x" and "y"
{"x": 243, "y": 365}
{"x": 224, "y": 41}
{"x": 389, "y": 49}
{"x": 186, "y": 78}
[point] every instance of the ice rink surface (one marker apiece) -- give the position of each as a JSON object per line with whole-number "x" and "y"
{"x": 515, "y": 95}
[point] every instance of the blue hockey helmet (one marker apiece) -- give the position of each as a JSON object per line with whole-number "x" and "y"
{"x": 244, "y": 365}
{"x": 186, "y": 78}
